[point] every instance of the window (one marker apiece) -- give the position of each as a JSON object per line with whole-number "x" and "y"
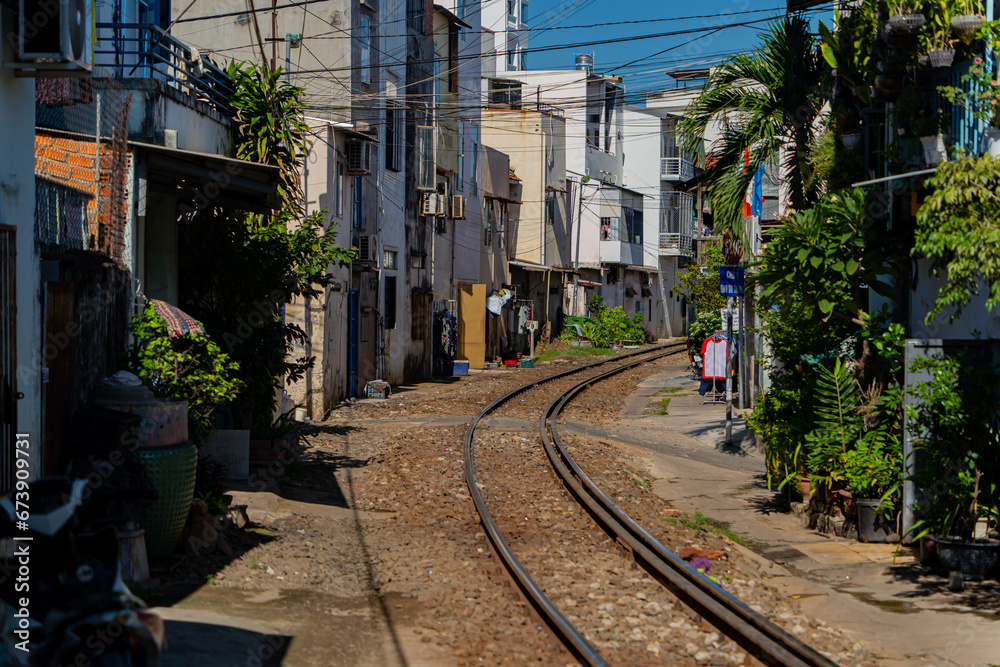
{"x": 501, "y": 224}
{"x": 415, "y": 15}
{"x": 550, "y": 207}
{"x": 524, "y": 12}
{"x": 338, "y": 189}
{"x": 417, "y": 260}
{"x": 460, "y": 176}
{"x": 366, "y": 40}
{"x": 425, "y": 158}
{"x": 462, "y": 9}
{"x": 390, "y": 302}
{"x": 393, "y": 136}
{"x": 474, "y": 175}
{"x": 512, "y": 9}
{"x": 488, "y": 223}
{"x": 638, "y": 308}
{"x": 356, "y": 218}
{"x": 511, "y": 58}
{"x": 389, "y": 260}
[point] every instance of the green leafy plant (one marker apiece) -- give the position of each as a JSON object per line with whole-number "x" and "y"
{"x": 958, "y": 223}
{"x": 767, "y": 101}
{"x": 955, "y": 431}
{"x": 595, "y": 305}
{"x": 239, "y": 269}
{"x": 821, "y": 261}
{"x": 191, "y": 368}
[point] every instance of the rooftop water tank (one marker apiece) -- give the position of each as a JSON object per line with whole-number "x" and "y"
{"x": 585, "y": 63}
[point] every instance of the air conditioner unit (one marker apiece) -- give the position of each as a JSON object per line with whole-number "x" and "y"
{"x": 430, "y": 204}
{"x": 54, "y": 37}
{"x": 442, "y": 206}
{"x": 458, "y": 207}
{"x": 359, "y": 157}
{"x": 367, "y": 248}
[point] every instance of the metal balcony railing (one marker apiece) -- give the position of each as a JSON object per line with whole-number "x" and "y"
{"x": 675, "y": 245}
{"x": 676, "y": 169}
{"x": 146, "y": 51}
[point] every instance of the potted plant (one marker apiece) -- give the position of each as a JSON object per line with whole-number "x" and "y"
{"x": 905, "y": 17}
{"x": 929, "y": 128}
{"x": 937, "y": 34}
{"x": 956, "y": 437}
{"x": 980, "y": 94}
{"x": 967, "y": 19}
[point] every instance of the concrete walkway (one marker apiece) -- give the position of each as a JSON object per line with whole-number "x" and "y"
{"x": 902, "y": 611}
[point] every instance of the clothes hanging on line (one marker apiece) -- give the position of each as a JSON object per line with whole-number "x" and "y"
{"x": 713, "y": 354}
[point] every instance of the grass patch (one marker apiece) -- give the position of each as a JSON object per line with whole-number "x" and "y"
{"x": 700, "y": 522}
{"x": 671, "y": 390}
{"x": 548, "y": 355}
{"x": 639, "y": 481}
{"x": 661, "y": 407}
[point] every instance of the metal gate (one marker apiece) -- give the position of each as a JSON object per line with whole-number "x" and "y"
{"x": 8, "y": 356}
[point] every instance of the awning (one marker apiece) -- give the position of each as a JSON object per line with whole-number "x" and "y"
{"x": 587, "y": 283}
{"x": 452, "y": 16}
{"x": 215, "y": 179}
{"x": 528, "y": 266}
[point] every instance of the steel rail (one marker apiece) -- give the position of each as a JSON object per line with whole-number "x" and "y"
{"x": 553, "y": 617}
{"x": 751, "y": 630}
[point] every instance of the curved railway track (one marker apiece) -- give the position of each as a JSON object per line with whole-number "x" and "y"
{"x": 753, "y": 632}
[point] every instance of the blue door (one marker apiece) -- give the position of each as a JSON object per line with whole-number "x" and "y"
{"x": 352, "y": 343}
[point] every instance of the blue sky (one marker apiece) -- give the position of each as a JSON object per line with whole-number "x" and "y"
{"x": 637, "y": 60}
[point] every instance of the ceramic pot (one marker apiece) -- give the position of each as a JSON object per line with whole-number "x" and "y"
{"x": 976, "y": 560}
{"x": 872, "y": 523}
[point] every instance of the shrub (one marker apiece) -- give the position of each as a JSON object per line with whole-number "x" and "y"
{"x": 188, "y": 368}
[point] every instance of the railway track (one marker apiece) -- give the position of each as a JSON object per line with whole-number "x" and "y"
{"x": 750, "y": 630}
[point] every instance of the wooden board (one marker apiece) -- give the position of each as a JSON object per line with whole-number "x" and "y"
{"x": 59, "y": 352}
{"x": 472, "y": 324}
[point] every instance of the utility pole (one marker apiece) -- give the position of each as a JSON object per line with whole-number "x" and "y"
{"x": 729, "y": 371}
{"x": 274, "y": 34}
{"x": 576, "y": 262}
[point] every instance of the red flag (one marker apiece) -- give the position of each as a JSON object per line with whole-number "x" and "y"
{"x": 748, "y": 195}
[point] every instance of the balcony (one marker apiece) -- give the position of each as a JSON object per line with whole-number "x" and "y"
{"x": 621, "y": 252}
{"x": 675, "y": 245}
{"x": 676, "y": 169}
{"x": 146, "y": 51}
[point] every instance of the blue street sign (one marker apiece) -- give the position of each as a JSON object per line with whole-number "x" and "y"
{"x": 731, "y": 280}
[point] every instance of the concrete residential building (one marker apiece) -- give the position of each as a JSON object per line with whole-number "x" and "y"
{"x": 656, "y": 169}
{"x": 505, "y": 40}
{"x": 333, "y": 50}
{"x": 607, "y": 223}
{"x": 538, "y": 243}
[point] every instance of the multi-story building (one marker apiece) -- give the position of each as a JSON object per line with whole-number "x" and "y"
{"x": 607, "y": 227}
{"x": 537, "y": 242}
{"x": 504, "y": 24}
{"x": 657, "y": 168}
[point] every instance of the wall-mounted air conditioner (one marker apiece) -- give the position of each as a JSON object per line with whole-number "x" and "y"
{"x": 367, "y": 248}
{"x": 359, "y": 154}
{"x": 53, "y": 37}
{"x": 429, "y": 206}
{"x": 458, "y": 207}
{"x": 442, "y": 206}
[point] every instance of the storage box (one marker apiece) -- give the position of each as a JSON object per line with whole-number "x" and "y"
{"x": 527, "y": 362}
{"x": 377, "y": 389}
{"x": 456, "y": 367}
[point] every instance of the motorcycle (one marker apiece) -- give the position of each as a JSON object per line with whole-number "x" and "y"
{"x": 62, "y": 598}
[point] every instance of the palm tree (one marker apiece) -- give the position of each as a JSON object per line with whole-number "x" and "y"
{"x": 767, "y": 102}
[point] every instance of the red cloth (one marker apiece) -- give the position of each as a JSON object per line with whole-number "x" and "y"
{"x": 178, "y": 322}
